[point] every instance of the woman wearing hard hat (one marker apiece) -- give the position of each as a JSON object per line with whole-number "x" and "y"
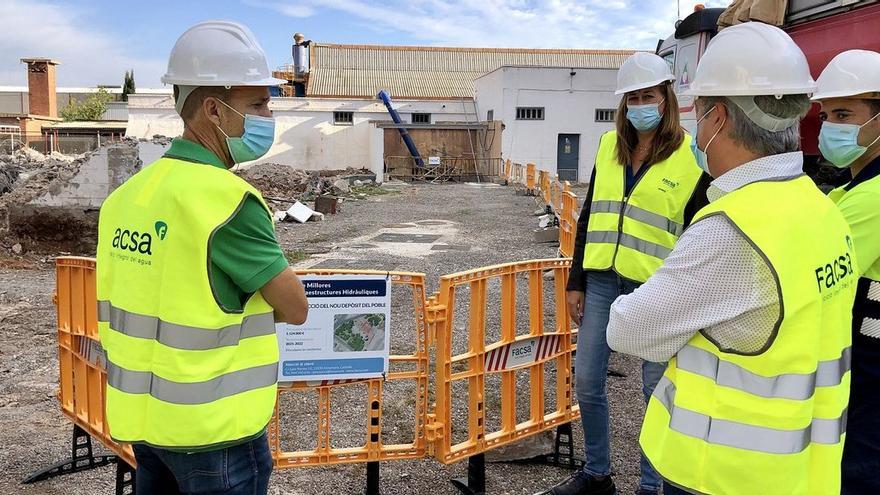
{"x": 849, "y": 92}
{"x": 645, "y": 188}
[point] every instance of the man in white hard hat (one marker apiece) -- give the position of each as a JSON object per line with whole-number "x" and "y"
{"x": 191, "y": 281}
{"x": 849, "y": 92}
{"x": 753, "y": 306}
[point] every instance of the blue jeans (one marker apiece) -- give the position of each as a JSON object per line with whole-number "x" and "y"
{"x": 239, "y": 470}
{"x": 591, "y": 369}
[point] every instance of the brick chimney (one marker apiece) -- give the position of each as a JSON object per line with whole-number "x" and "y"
{"x": 42, "y": 98}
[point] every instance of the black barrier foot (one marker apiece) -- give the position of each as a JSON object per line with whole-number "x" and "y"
{"x": 563, "y": 452}
{"x": 82, "y": 458}
{"x": 475, "y": 482}
{"x": 125, "y": 479}
{"x": 373, "y": 478}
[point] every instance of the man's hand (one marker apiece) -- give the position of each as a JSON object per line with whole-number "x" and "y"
{"x": 575, "y": 301}
{"x": 286, "y": 294}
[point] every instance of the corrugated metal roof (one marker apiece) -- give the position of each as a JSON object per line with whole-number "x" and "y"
{"x": 431, "y": 72}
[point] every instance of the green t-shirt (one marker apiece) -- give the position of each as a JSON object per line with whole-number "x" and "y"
{"x": 245, "y": 254}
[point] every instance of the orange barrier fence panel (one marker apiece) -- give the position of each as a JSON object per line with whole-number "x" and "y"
{"x": 465, "y": 372}
{"x": 544, "y": 184}
{"x": 361, "y": 401}
{"x": 518, "y": 174}
{"x": 507, "y": 169}
{"x": 568, "y": 224}
{"x": 530, "y": 177}
{"x": 82, "y": 375}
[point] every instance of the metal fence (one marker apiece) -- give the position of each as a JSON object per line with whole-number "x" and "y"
{"x": 450, "y": 168}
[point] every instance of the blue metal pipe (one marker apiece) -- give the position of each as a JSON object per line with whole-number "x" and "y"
{"x": 407, "y": 140}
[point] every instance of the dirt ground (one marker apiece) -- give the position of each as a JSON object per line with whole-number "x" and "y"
{"x": 470, "y": 227}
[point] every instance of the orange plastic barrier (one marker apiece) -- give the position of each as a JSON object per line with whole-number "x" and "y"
{"x": 531, "y": 179}
{"x": 506, "y": 173}
{"x": 81, "y": 367}
{"x": 83, "y": 377}
{"x": 544, "y": 186}
{"x": 507, "y": 355}
{"x": 373, "y": 449}
{"x": 568, "y": 216}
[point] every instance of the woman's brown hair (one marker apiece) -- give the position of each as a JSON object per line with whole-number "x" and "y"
{"x": 667, "y": 139}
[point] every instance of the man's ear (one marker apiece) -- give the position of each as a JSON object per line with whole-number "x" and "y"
{"x": 719, "y": 115}
{"x": 211, "y": 110}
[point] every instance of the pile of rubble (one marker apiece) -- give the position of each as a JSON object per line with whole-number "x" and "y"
{"x": 283, "y": 184}
{"x": 26, "y": 175}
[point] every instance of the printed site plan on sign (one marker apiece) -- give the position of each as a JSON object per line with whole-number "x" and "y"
{"x": 346, "y": 335}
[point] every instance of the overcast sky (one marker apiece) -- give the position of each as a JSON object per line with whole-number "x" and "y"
{"x": 96, "y": 41}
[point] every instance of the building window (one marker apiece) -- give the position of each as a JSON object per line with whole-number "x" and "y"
{"x": 529, "y": 113}
{"x": 343, "y": 118}
{"x": 490, "y": 115}
{"x": 421, "y": 118}
{"x": 605, "y": 114}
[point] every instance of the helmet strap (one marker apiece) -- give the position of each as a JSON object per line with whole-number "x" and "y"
{"x": 761, "y": 118}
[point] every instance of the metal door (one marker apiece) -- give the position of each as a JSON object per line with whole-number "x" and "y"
{"x": 567, "y": 156}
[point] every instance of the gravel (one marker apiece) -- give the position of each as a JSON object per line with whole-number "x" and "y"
{"x": 486, "y": 226}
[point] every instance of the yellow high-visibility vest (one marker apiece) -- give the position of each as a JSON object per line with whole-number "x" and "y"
{"x": 181, "y": 371}
{"x": 774, "y": 421}
{"x": 633, "y": 234}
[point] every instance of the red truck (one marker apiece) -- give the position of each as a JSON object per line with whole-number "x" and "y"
{"x": 822, "y": 29}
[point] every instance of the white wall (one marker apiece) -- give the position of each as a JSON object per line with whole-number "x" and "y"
{"x": 569, "y": 102}
{"x": 305, "y": 135}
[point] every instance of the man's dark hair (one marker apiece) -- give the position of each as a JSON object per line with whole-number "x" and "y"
{"x": 197, "y": 97}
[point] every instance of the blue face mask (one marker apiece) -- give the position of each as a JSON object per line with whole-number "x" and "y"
{"x": 839, "y": 143}
{"x": 644, "y": 117}
{"x": 700, "y": 155}
{"x": 259, "y": 134}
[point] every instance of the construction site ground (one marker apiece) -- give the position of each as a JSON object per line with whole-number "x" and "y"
{"x": 444, "y": 228}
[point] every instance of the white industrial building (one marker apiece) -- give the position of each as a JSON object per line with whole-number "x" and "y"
{"x": 553, "y": 116}
{"x": 312, "y": 133}
{"x": 471, "y": 107}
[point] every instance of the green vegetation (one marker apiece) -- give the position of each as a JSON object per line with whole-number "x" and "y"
{"x": 92, "y": 108}
{"x": 128, "y": 87}
{"x": 296, "y": 255}
{"x": 354, "y": 340}
{"x": 376, "y": 320}
{"x": 372, "y": 190}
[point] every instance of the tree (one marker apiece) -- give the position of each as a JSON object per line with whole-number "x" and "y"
{"x": 128, "y": 86}
{"x": 92, "y": 108}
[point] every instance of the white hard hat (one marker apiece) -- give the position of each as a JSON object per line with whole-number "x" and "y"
{"x": 642, "y": 70}
{"x": 752, "y": 59}
{"x": 851, "y": 73}
{"x": 218, "y": 53}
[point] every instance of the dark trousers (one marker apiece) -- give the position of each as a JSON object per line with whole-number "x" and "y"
{"x": 861, "y": 452}
{"x": 239, "y": 470}
{"x": 673, "y": 490}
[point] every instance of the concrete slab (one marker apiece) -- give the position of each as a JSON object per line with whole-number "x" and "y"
{"x": 406, "y": 238}
{"x": 105, "y": 170}
{"x": 450, "y": 247}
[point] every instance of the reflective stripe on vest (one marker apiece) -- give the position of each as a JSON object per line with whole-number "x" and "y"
{"x": 182, "y": 336}
{"x": 633, "y": 233}
{"x": 632, "y": 242}
{"x": 793, "y": 386}
{"x": 636, "y": 213}
{"x": 746, "y": 436}
{"x": 226, "y": 385}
